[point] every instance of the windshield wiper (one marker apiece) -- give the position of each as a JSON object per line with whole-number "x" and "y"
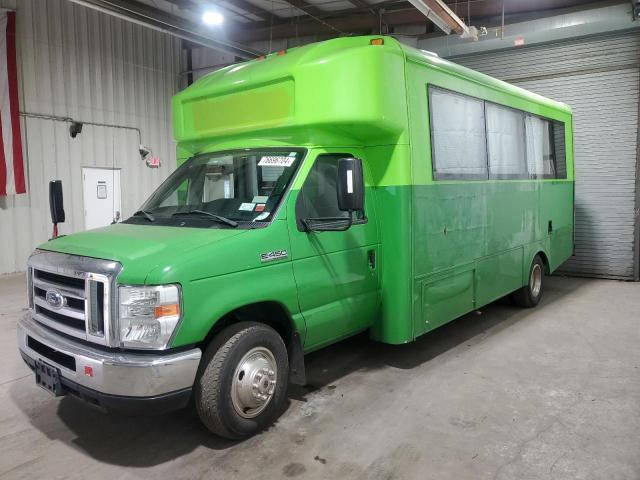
{"x": 219, "y": 218}
{"x": 149, "y": 217}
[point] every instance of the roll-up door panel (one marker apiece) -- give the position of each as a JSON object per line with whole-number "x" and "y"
{"x": 599, "y": 79}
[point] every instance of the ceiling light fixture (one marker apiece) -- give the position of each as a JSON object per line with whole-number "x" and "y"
{"x": 212, "y": 18}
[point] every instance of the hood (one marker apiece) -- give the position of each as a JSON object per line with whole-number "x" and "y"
{"x": 139, "y": 248}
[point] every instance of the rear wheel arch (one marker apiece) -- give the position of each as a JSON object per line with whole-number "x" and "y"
{"x": 545, "y": 260}
{"x": 276, "y": 316}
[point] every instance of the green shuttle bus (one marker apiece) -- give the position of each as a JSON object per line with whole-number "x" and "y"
{"x": 350, "y": 185}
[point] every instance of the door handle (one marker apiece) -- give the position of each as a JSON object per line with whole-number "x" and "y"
{"x": 371, "y": 257}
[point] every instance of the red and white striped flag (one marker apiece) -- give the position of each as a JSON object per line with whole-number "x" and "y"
{"x": 11, "y": 162}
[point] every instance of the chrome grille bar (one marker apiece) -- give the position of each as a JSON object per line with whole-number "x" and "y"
{"x": 66, "y": 291}
{"x": 66, "y": 311}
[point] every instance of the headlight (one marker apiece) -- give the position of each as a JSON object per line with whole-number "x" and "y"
{"x": 148, "y": 315}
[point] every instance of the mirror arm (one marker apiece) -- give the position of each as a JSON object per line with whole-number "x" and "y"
{"x": 305, "y": 225}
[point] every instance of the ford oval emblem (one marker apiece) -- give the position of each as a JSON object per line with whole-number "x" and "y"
{"x": 54, "y": 299}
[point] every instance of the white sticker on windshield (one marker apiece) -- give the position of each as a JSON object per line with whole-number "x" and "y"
{"x": 262, "y": 216}
{"x": 260, "y": 199}
{"x": 276, "y": 161}
{"x": 227, "y": 189}
{"x": 247, "y": 207}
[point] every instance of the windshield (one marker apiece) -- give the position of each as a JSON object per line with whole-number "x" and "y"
{"x": 222, "y": 189}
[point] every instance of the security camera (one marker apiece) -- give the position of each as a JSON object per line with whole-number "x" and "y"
{"x": 144, "y": 151}
{"x": 75, "y": 128}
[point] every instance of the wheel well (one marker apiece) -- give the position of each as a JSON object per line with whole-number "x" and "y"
{"x": 545, "y": 261}
{"x": 269, "y": 313}
{"x": 277, "y": 317}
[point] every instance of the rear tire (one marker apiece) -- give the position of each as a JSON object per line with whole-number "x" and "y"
{"x": 529, "y": 296}
{"x": 242, "y": 382}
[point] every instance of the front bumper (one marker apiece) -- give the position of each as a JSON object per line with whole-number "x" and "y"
{"x": 115, "y": 380}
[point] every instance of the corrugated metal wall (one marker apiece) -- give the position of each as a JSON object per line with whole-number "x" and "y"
{"x": 599, "y": 79}
{"x": 206, "y": 60}
{"x": 79, "y": 63}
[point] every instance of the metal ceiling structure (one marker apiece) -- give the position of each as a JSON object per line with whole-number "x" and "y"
{"x": 162, "y": 20}
{"x": 248, "y": 21}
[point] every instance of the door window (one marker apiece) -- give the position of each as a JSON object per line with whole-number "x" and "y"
{"x": 319, "y": 195}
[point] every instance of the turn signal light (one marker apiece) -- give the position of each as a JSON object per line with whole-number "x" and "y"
{"x": 377, "y": 41}
{"x": 282, "y": 52}
{"x": 167, "y": 310}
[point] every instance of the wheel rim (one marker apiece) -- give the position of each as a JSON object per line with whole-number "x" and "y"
{"x": 535, "y": 280}
{"x": 254, "y": 382}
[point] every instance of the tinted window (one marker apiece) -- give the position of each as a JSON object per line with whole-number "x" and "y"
{"x": 457, "y": 136}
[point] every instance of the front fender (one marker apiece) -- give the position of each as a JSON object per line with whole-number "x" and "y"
{"x": 208, "y": 300}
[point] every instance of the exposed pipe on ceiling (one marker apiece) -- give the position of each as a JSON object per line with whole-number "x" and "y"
{"x": 147, "y": 16}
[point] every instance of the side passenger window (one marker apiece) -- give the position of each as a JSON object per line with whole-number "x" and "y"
{"x": 319, "y": 195}
{"x": 559, "y": 149}
{"x": 506, "y": 142}
{"x": 457, "y": 136}
{"x": 475, "y": 139}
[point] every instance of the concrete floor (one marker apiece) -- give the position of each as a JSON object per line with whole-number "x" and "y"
{"x": 552, "y": 392}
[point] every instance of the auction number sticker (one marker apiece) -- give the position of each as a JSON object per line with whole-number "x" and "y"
{"x": 277, "y": 160}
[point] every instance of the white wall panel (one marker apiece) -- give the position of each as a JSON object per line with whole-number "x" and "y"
{"x": 79, "y": 63}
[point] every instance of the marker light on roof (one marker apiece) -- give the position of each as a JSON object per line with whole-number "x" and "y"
{"x": 377, "y": 41}
{"x": 212, "y": 18}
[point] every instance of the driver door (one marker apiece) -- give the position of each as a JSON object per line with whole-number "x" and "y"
{"x": 335, "y": 271}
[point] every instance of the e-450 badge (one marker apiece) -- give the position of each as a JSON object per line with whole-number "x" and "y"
{"x": 274, "y": 255}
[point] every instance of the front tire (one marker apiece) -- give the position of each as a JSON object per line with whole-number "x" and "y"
{"x": 242, "y": 382}
{"x": 529, "y": 296}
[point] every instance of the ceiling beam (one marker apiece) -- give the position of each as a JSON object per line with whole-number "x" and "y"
{"x": 263, "y": 14}
{"x": 490, "y": 8}
{"x": 439, "y": 13}
{"x": 345, "y": 24}
{"x": 327, "y": 15}
{"x": 361, "y": 4}
{"x": 307, "y": 8}
{"x": 394, "y": 13}
{"x": 143, "y": 14}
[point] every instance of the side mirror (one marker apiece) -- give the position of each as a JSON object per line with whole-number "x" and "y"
{"x": 55, "y": 204}
{"x": 350, "y": 184}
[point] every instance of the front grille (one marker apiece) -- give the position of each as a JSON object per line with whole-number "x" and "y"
{"x": 61, "y": 318}
{"x": 63, "y": 280}
{"x": 66, "y": 296}
{"x": 69, "y": 315}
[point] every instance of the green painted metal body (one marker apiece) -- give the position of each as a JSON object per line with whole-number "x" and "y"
{"x": 442, "y": 248}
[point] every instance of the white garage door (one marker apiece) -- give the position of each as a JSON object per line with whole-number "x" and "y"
{"x": 599, "y": 79}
